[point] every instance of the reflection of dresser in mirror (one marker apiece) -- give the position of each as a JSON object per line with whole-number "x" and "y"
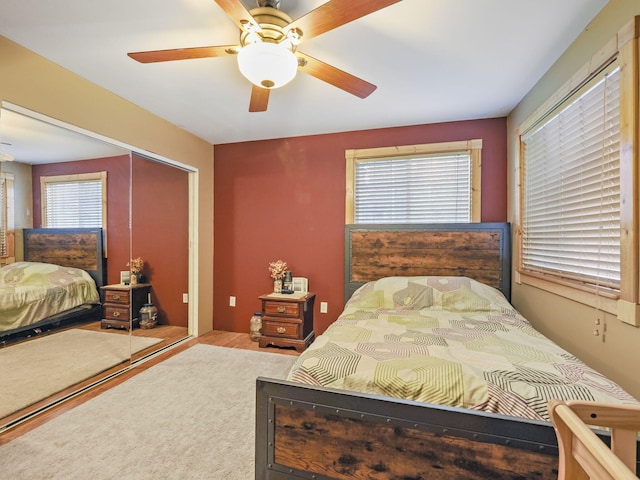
{"x": 121, "y": 305}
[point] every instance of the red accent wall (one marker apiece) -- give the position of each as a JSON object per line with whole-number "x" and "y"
{"x": 160, "y": 213}
{"x": 160, "y": 234}
{"x": 285, "y": 199}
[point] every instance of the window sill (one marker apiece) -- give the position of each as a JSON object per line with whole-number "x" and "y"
{"x": 606, "y": 302}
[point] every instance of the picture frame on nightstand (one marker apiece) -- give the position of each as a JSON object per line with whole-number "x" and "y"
{"x": 300, "y": 284}
{"x": 125, "y": 277}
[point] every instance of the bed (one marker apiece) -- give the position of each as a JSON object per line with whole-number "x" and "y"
{"x": 441, "y": 289}
{"x": 56, "y": 284}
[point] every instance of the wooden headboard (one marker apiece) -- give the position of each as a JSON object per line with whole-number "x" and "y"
{"x": 481, "y": 251}
{"x": 69, "y": 247}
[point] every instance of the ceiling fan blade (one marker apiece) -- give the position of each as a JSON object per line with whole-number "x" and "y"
{"x": 239, "y": 14}
{"x": 333, "y": 14}
{"x": 336, "y": 77}
{"x": 184, "y": 53}
{"x": 259, "y": 99}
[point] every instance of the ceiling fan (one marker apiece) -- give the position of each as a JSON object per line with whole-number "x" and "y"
{"x": 267, "y": 53}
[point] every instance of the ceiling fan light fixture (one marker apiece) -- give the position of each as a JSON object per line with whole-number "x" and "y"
{"x": 267, "y": 64}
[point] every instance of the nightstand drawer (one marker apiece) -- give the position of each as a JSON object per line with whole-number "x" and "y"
{"x": 283, "y": 309}
{"x": 280, "y": 329}
{"x": 116, "y": 312}
{"x": 117, "y": 296}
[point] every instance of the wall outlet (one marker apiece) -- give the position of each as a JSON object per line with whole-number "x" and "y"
{"x": 323, "y": 307}
{"x": 185, "y": 298}
{"x": 232, "y": 301}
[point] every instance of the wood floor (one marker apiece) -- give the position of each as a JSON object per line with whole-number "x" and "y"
{"x": 170, "y": 334}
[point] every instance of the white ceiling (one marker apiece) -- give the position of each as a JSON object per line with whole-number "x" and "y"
{"x": 432, "y": 60}
{"x": 33, "y": 141}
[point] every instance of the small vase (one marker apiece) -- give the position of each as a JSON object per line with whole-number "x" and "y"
{"x": 134, "y": 279}
{"x": 277, "y": 285}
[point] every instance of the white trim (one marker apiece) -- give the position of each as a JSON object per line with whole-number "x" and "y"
{"x": 192, "y": 308}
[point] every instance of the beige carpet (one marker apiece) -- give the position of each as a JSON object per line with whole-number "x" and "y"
{"x": 189, "y": 417}
{"x": 34, "y": 370}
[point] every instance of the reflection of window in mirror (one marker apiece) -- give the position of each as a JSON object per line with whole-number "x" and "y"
{"x": 7, "y": 252}
{"x": 71, "y": 201}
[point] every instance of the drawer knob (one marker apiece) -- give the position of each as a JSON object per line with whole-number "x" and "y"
{"x": 116, "y": 297}
{"x": 116, "y": 314}
{"x": 281, "y": 309}
{"x": 281, "y": 330}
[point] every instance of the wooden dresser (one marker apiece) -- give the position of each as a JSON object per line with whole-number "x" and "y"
{"x": 121, "y": 304}
{"x": 287, "y": 320}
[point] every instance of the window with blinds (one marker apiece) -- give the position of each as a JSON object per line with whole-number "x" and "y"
{"x": 430, "y": 183}
{"x": 571, "y": 188}
{"x": 421, "y": 189}
{"x": 74, "y": 201}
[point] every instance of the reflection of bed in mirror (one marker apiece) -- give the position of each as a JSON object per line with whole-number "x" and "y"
{"x": 429, "y": 372}
{"x": 56, "y": 284}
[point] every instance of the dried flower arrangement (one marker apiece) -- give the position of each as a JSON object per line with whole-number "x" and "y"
{"x": 277, "y": 269}
{"x": 135, "y": 265}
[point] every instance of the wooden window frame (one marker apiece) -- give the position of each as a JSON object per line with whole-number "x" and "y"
{"x": 474, "y": 147}
{"x": 624, "y": 49}
{"x": 9, "y": 214}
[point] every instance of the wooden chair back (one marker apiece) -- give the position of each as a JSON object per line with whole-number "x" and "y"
{"x": 585, "y": 456}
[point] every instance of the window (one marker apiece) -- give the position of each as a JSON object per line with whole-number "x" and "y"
{"x": 571, "y": 178}
{"x": 74, "y": 200}
{"x": 6, "y": 217}
{"x": 431, "y": 183}
{"x": 577, "y": 223}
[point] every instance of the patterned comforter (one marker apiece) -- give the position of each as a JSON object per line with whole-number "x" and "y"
{"x": 30, "y": 292}
{"x": 450, "y": 341}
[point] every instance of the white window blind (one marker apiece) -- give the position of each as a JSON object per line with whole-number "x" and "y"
{"x": 413, "y": 189}
{"x": 73, "y": 203}
{"x": 571, "y": 176}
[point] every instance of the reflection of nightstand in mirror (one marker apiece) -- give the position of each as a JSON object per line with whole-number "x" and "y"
{"x": 287, "y": 320}
{"x": 121, "y": 304}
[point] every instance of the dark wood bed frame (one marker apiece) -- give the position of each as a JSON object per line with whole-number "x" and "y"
{"x": 72, "y": 247}
{"x": 307, "y": 432}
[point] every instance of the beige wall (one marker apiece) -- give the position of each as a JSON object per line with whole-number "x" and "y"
{"x": 23, "y": 204}
{"x": 37, "y": 84}
{"x": 22, "y": 185}
{"x": 568, "y": 323}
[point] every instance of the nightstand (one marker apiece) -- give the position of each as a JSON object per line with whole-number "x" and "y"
{"x": 121, "y": 304}
{"x": 287, "y": 320}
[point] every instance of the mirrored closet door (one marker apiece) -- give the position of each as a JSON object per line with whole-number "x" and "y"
{"x": 103, "y": 232}
{"x": 159, "y": 250}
